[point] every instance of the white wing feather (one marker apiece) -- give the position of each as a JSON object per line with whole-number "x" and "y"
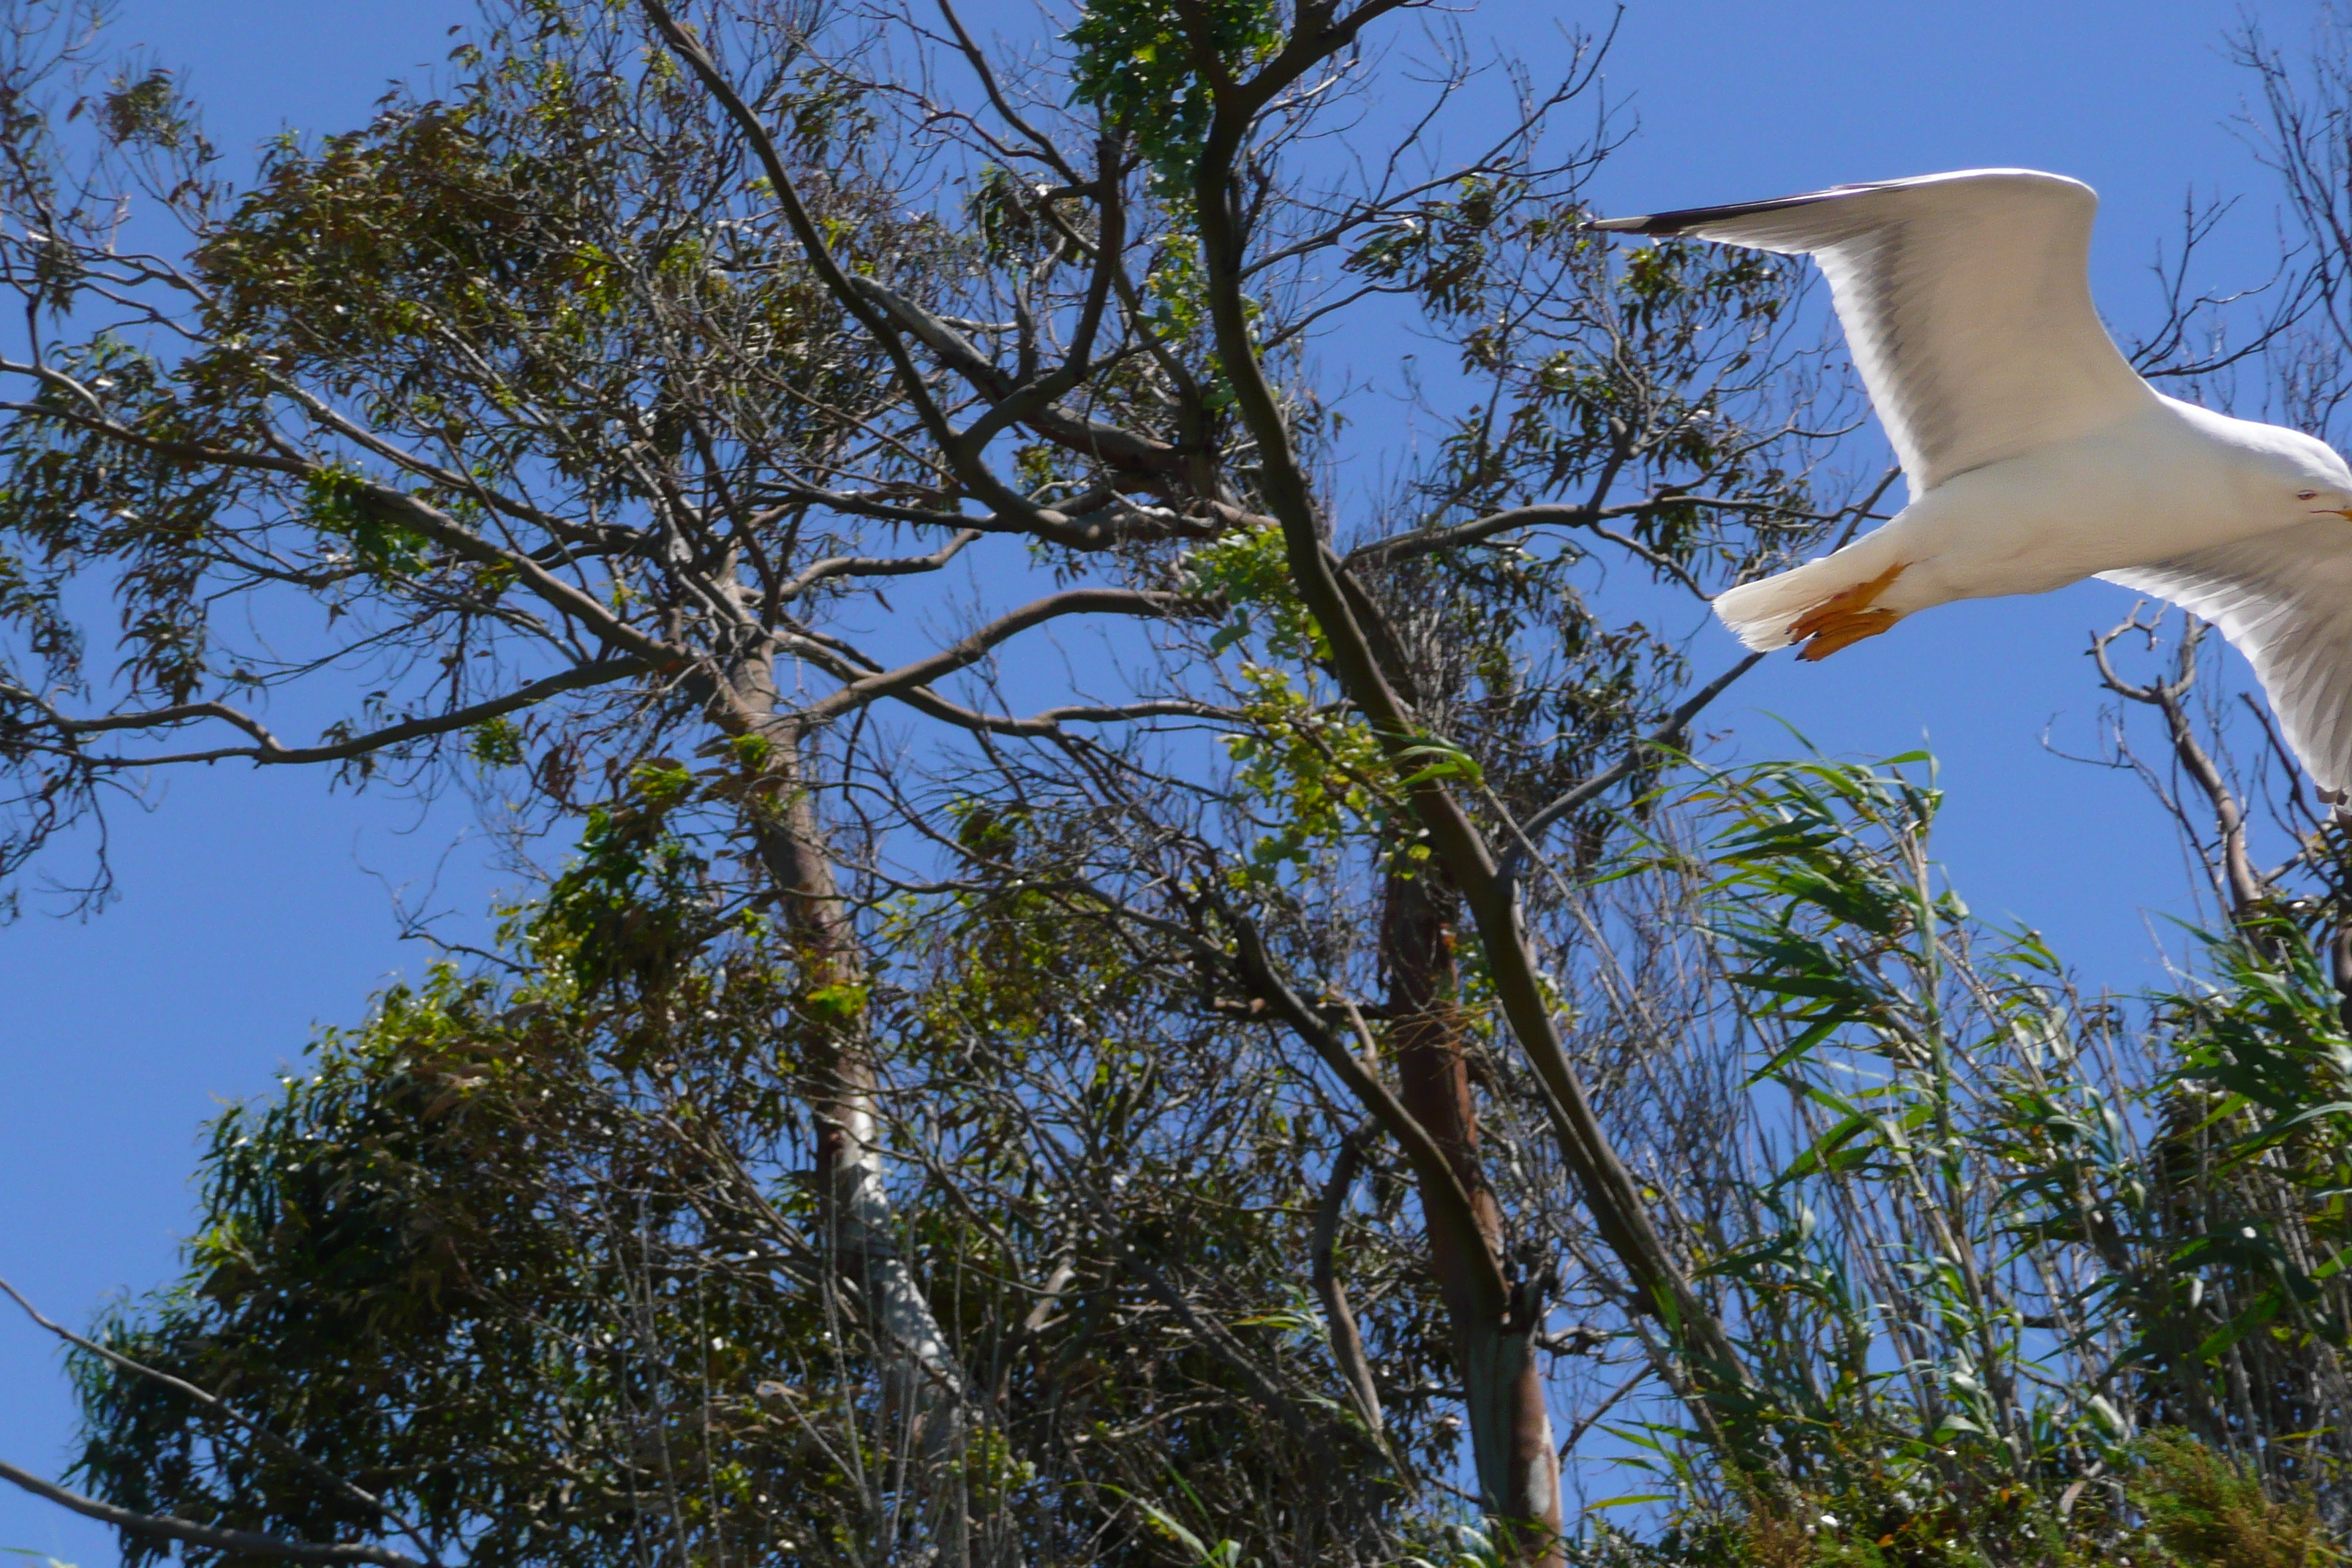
{"x": 1966, "y": 300}
{"x": 2284, "y": 601}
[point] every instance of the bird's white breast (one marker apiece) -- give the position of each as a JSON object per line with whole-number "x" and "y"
{"x": 2157, "y": 485}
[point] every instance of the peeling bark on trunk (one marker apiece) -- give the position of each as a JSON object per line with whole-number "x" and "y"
{"x": 1510, "y": 1426}
{"x": 2339, "y": 968}
{"x": 922, "y": 1380}
{"x": 1347, "y": 1341}
{"x": 1715, "y": 1378}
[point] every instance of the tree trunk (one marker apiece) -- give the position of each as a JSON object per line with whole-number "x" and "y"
{"x": 1510, "y": 1426}
{"x": 922, "y": 1380}
{"x": 2339, "y": 968}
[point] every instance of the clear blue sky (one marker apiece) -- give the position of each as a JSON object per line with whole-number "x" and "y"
{"x": 253, "y": 906}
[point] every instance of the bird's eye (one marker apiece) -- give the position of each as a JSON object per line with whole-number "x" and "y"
{"x": 2306, "y": 495}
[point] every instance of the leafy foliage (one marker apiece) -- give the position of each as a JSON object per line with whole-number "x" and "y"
{"x": 1148, "y": 66}
{"x": 1202, "y": 1112}
{"x": 528, "y": 1261}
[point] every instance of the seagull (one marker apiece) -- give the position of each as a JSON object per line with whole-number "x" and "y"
{"x": 2036, "y": 455}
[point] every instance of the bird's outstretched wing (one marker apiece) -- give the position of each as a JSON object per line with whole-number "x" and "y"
{"x": 1966, "y": 299}
{"x": 2285, "y": 600}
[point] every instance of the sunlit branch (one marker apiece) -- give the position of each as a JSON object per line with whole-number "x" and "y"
{"x": 204, "y": 1535}
{"x": 970, "y": 649}
{"x": 874, "y": 566}
{"x": 269, "y": 751}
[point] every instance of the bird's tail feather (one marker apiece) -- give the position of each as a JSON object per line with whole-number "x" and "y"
{"x": 1760, "y": 614}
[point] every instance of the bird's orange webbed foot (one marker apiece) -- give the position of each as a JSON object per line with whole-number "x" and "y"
{"x": 1846, "y": 618}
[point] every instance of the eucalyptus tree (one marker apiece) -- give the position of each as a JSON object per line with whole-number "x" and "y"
{"x": 571, "y": 431}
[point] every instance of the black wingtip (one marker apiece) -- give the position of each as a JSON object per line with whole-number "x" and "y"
{"x": 1624, "y": 224}
{"x": 1689, "y": 218}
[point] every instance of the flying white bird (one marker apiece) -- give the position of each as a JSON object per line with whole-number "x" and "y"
{"x": 2037, "y": 456}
